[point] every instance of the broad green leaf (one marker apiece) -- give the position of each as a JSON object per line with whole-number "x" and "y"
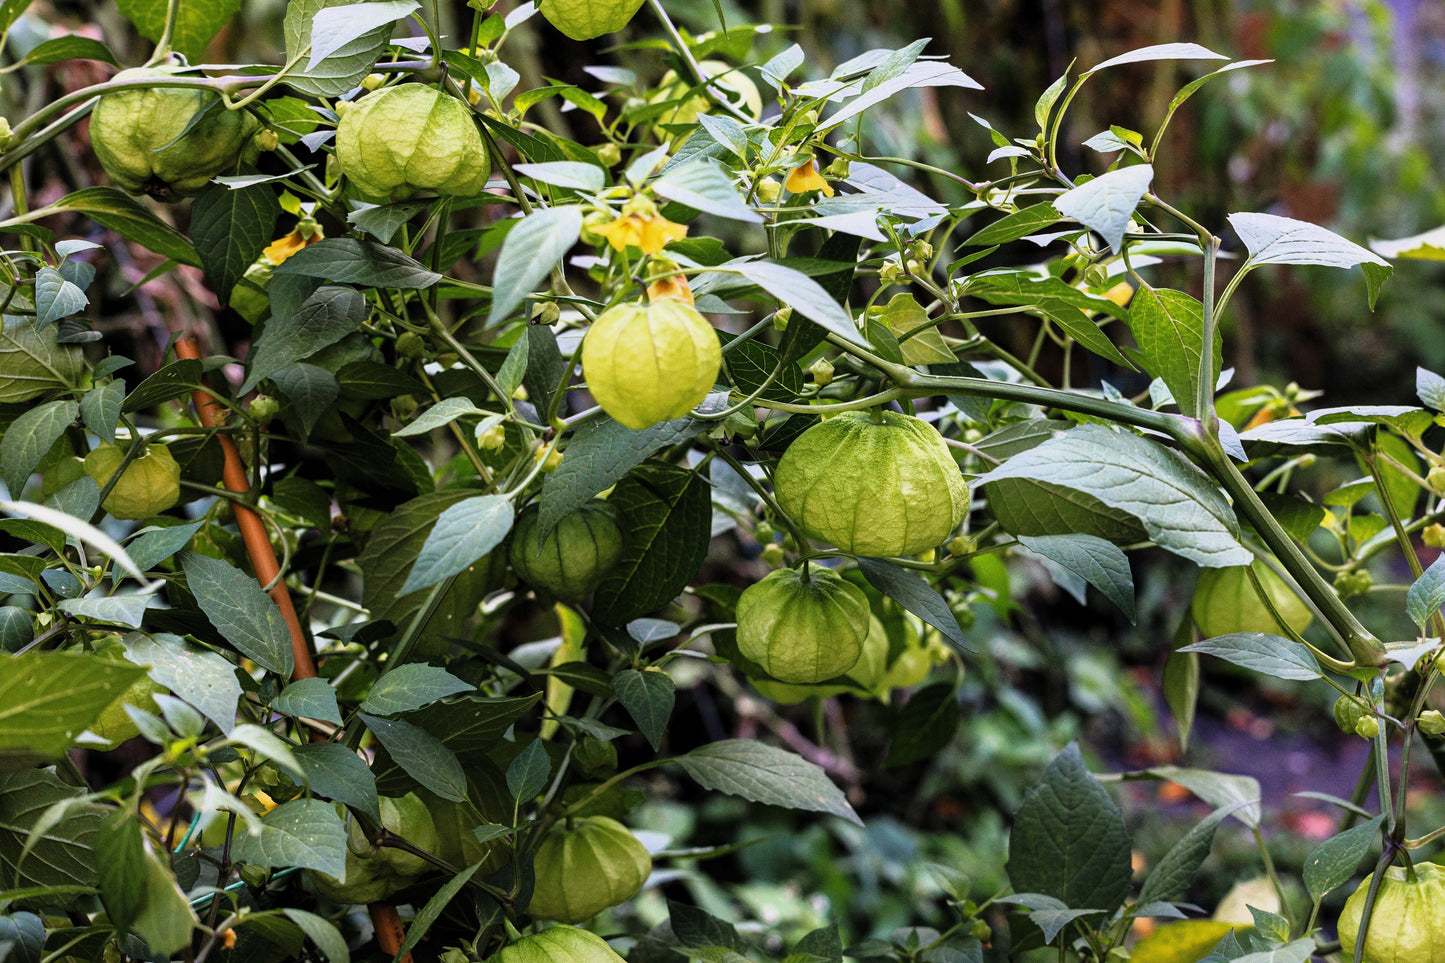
{"x": 1220, "y": 790}
{"x": 428, "y": 915}
{"x": 71, "y": 47}
{"x": 923, "y": 73}
{"x": 302, "y": 832}
{"x": 704, "y": 186}
{"x": 528, "y": 772}
{"x": 1019, "y": 224}
{"x": 165, "y": 919}
{"x": 463, "y": 534}
{"x": 55, "y": 297}
{"x": 323, "y": 933}
{"x": 804, "y": 295}
{"x": 309, "y": 389}
{"x": 915, "y": 595}
{"x": 23, "y": 934}
{"x": 600, "y": 454}
{"x": 175, "y": 380}
{"x": 1170, "y": 878}
{"x": 666, "y": 515}
{"x": 422, "y": 755}
{"x": 196, "y": 23}
{"x": 336, "y": 772}
{"x": 77, "y": 529}
{"x": 63, "y": 854}
{"x": 1429, "y": 246}
{"x": 1044, "y": 106}
{"x": 1271, "y": 239}
{"x": 648, "y": 698}
{"x": 1169, "y": 326}
{"x": 1334, "y": 861}
{"x": 39, "y": 362}
{"x": 327, "y": 316}
{"x": 547, "y": 371}
{"x": 1102, "y": 564}
{"x": 116, "y": 210}
{"x": 335, "y": 27}
{"x": 230, "y": 228}
{"x": 270, "y": 746}
{"x": 529, "y": 252}
{"x": 1069, "y": 840}
{"x": 100, "y": 409}
{"x": 1430, "y": 388}
{"x": 696, "y": 929}
{"x": 1106, "y": 203}
{"x": 412, "y": 686}
{"x": 245, "y": 615}
{"x": 1091, "y": 476}
{"x": 1163, "y": 51}
{"x": 573, "y": 175}
{"x": 48, "y": 698}
{"x": 1049, "y": 914}
{"x": 442, "y": 413}
{"x": 802, "y": 335}
{"x": 764, "y": 774}
{"x": 197, "y": 675}
{"x": 751, "y": 365}
{"x": 30, "y": 436}
{"x": 1427, "y": 594}
{"x": 345, "y": 67}
{"x": 309, "y": 698}
{"x": 346, "y": 260}
{"x": 1064, "y": 304}
{"x": 126, "y": 610}
{"x": 382, "y": 222}
{"x": 903, "y": 315}
{"x": 927, "y": 722}
{"x": 1261, "y": 652}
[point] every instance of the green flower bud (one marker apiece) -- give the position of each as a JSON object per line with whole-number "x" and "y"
{"x": 1431, "y": 723}
{"x": 609, "y": 154}
{"x": 1368, "y": 727}
{"x": 266, "y": 140}
{"x": 263, "y": 409}
{"x": 773, "y": 554}
{"x": 822, "y": 372}
{"x": 410, "y": 345}
{"x": 1434, "y": 536}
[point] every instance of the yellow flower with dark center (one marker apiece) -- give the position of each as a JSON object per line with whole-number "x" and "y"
{"x": 806, "y": 178}
{"x": 649, "y": 234}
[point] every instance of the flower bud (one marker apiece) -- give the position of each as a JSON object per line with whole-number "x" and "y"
{"x": 773, "y": 554}
{"x": 1436, "y": 479}
{"x": 546, "y": 313}
{"x": 1434, "y": 536}
{"x": 768, "y": 190}
{"x": 782, "y": 316}
{"x": 266, "y": 139}
{"x": 373, "y": 81}
{"x": 609, "y": 154}
{"x": 1367, "y": 727}
{"x": 493, "y": 438}
{"x": 822, "y": 372}
{"x": 410, "y": 345}
{"x": 1431, "y": 723}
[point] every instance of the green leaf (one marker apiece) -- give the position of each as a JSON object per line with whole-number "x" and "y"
{"x": 1069, "y": 840}
{"x": 696, "y": 929}
{"x": 1334, "y": 861}
{"x": 345, "y": 67}
{"x": 923, "y": 73}
{"x": 328, "y": 315}
{"x": 422, "y": 755}
{"x": 335, "y": 27}
{"x": 1049, "y": 914}
{"x": 463, "y": 534}
{"x": 196, "y": 23}
{"x": 71, "y": 47}
{"x": 429, "y": 914}
{"x": 574, "y": 175}
{"x": 116, "y": 210}
{"x": 600, "y": 454}
{"x": 303, "y": 832}
{"x": 347, "y": 260}
{"x": 1087, "y": 478}
{"x": 197, "y": 675}
{"x": 529, "y": 252}
{"x": 383, "y": 221}
{"x": 166, "y": 919}
{"x": 804, "y": 295}
{"x": 442, "y": 413}
{"x": 1169, "y": 327}
{"x": 1019, "y": 224}
{"x": 648, "y": 698}
{"x": 61, "y": 854}
{"x": 1102, "y": 564}
{"x": 1105, "y": 204}
{"x": 904, "y": 314}
{"x": 126, "y": 610}
{"x": 1272, "y": 239}
{"x": 310, "y": 699}
{"x": 749, "y": 365}
{"x": 100, "y": 409}
{"x": 230, "y": 228}
{"x": 270, "y": 746}
{"x": 1170, "y": 878}
{"x": 309, "y": 389}
{"x": 412, "y": 686}
{"x": 1163, "y": 51}
{"x": 926, "y": 723}
{"x": 22, "y": 935}
{"x": 915, "y": 595}
{"x": 1427, "y": 594}
{"x": 704, "y": 186}
{"x": 30, "y": 436}
{"x": 1045, "y": 104}
{"x": 47, "y": 698}
{"x": 175, "y": 380}
{"x": 323, "y": 933}
{"x": 336, "y": 772}
{"x": 802, "y": 335}
{"x": 1062, "y": 303}
{"x": 55, "y": 297}
{"x": 1261, "y": 652}
{"x": 764, "y": 774}
{"x": 1216, "y": 788}
{"x": 666, "y": 515}
{"x": 528, "y": 772}
{"x": 245, "y": 616}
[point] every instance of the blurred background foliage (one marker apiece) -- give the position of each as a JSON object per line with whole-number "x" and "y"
{"x": 1344, "y": 128}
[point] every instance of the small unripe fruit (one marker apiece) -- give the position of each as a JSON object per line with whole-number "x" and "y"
{"x": 1348, "y": 712}
{"x": 1431, "y": 723}
{"x": 1225, "y": 602}
{"x": 803, "y": 626}
{"x": 609, "y": 154}
{"x": 764, "y": 532}
{"x": 576, "y": 555}
{"x": 375, "y": 872}
{"x": 649, "y": 363}
{"x": 494, "y": 438}
{"x": 263, "y": 409}
{"x": 266, "y": 140}
{"x": 410, "y": 345}
{"x": 1368, "y": 727}
{"x": 1436, "y": 479}
{"x": 773, "y": 554}
{"x": 584, "y": 866}
{"x": 149, "y": 485}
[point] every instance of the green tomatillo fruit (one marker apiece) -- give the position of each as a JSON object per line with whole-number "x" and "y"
{"x": 412, "y": 137}
{"x": 585, "y": 865}
{"x": 375, "y": 872}
{"x": 803, "y": 626}
{"x": 575, "y": 556}
{"x": 586, "y": 19}
{"x": 867, "y": 672}
{"x": 149, "y": 485}
{"x": 32, "y": 362}
{"x": 558, "y": 944}
{"x": 877, "y": 487}
{"x": 1408, "y": 921}
{"x": 649, "y": 363}
{"x": 144, "y": 140}
{"x": 1225, "y": 602}
{"x": 114, "y": 725}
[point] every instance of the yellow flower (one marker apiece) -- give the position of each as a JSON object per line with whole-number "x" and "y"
{"x": 806, "y": 178}
{"x": 675, "y": 287}
{"x": 307, "y": 232}
{"x": 649, "y": 234}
